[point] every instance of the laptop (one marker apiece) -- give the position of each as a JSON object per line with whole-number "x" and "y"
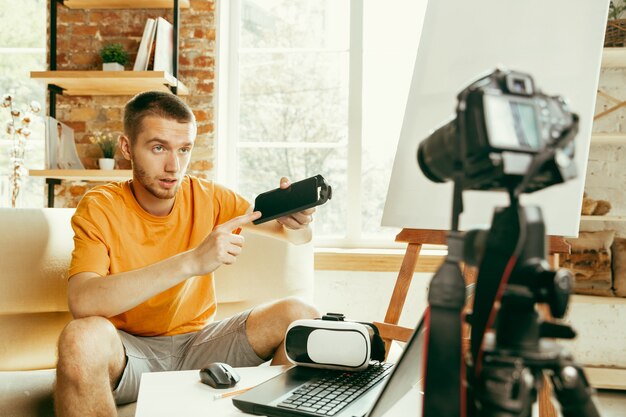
{"x": 302, "y": 391}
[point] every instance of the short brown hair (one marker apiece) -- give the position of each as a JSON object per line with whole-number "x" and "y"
{"x": 154, "y": 103}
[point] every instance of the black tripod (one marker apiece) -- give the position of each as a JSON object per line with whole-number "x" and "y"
{"x": 506, "y": 372}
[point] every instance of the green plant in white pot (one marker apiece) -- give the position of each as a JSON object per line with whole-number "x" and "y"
{"x": 114, "y": 57}
{"x": 107, "y": 142}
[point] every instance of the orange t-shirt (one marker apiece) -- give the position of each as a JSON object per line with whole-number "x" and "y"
{"x": 113, "y": 234}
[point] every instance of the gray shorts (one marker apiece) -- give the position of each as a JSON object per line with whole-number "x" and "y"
{"x": 222, "y": 341}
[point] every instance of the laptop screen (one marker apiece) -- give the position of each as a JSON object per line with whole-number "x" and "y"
{"x": 407, "y": 373}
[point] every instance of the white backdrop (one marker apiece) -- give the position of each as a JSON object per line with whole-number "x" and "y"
{"x": 558, "y": 42}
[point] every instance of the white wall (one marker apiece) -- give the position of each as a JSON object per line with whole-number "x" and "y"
{"x": 364, "y": 296}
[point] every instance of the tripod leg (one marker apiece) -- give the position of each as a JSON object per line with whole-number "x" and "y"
{"x": 573, "y": 392}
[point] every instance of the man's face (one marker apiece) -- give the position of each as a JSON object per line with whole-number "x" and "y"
{"x": 160, "y": 156}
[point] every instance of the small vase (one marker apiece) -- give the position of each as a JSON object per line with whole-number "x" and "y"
{"x": 112, "y": 66}
{"x": 106, "y": 163}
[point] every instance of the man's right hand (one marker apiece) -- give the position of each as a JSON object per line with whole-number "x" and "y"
{"x": 221, "y": 246}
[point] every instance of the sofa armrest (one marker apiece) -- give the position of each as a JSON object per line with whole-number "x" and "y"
{"x": 267, "y": 269}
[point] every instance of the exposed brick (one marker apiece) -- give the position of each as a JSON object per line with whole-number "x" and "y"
{"x": 210, "y": 34}
{"x": 84, "y": 60}
{"x": 205, "y": 87}
{"x": 106, "y": 17}
{"x": 76, "y": 125}
{"x": 201, "y": 165}
{"x": 204, "y": 61}
{"x": 122, "y": 163}
{"x": 203, "y": 115}
{"x": 202, "y": 5}
{"x": 80, "y": 35}
{"x": 205, "y": 128}
{"x": 84, "y": 114}
{"x": 70, "y": 16}
{"x": 84, "y": 30}
{"x": 114, "y": 114}
{"x": 183, "y": 60}
{"x": 77, "y": 190}
{"x": 82, "y": 44}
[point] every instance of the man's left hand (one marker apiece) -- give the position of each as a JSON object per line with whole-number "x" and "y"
{"x": 295, "y": 221}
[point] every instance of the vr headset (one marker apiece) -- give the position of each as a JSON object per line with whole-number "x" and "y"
{"x": 333, "y": 343}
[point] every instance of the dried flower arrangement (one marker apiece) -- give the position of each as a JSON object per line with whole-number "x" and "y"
{"x": 18, "y": 130}
{"x": 107, "y": 143}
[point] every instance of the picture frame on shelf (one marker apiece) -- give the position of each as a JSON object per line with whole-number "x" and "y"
{"x": 60, "y": 146}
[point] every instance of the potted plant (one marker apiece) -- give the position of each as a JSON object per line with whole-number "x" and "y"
{"x": 114, "y": 57}
{"x": 107, "y": 143}
{"x": 615, "y": 35}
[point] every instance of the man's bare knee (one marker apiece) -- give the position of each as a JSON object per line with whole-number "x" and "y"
{"x": 272, "y": 320}
{"x": 89, "y": 345}
{"x": 291, "y": 309}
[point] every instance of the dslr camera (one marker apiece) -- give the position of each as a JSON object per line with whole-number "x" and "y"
{"x": 502, "y": 123}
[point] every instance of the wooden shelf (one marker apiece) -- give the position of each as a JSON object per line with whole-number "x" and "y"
{"x": 614, "y": 58}
{"x": 124, "y": 4}
{"x": 604, "y": 218}
{"x": 88, "y": 83}
{"x": 608, "y": 138}
{"x": 83, "y": 174}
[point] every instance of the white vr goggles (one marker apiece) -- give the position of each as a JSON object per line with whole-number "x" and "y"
{"x": 333, "y": 343}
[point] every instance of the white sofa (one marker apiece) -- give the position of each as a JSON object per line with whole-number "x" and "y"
{"x": 35, "y": 250}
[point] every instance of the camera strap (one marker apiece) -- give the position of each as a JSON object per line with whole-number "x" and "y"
{"x": 494, "y": 272}
{"x": 445, "y": 372}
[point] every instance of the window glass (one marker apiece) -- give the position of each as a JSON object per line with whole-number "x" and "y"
{"x": 293, "y": 104}
{"x": 22, "y": 49}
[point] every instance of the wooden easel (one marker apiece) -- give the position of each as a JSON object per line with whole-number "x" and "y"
{"x": 415, "y": 239}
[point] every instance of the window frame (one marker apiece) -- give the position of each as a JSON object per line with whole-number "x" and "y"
{"x": 227, "y": 116}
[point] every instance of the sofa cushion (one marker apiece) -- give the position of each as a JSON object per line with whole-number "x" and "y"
{"x": 35, "y": 250}
{"x": 29, "y": 393}
{"x": 267, "y": 269}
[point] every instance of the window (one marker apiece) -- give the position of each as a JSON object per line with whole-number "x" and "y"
{"x": 312, "y": 87}
{"x": 22, "y": 49}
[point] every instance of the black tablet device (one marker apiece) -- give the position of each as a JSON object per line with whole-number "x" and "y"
{"x": 299, "y": 196}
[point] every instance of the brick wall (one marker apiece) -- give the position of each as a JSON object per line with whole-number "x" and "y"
{"x": 81, "y": 33}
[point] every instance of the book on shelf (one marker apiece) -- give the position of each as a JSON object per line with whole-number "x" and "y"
{"x": 145, "y": 46}
{"x": 164, "y": 46}
{"x": 60, "y": 146}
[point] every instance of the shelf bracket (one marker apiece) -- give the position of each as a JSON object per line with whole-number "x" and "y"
{"x": 175, "y": 35}
{"x": 51, "y": 182}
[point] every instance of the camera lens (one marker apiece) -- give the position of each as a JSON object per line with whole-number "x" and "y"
{"x": 435, "y": 155}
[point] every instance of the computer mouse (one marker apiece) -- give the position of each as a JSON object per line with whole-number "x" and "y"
{"x": 219, "y": 375}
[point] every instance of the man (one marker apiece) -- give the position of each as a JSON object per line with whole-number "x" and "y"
{"x": 140, "y": 281}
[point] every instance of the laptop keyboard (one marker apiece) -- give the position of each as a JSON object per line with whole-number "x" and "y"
{"x": 329, "y": 394}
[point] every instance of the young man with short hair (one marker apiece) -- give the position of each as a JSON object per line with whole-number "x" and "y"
{"x": 140, "y": 281}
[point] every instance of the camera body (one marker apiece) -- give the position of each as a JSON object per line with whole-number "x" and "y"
{"x": 502, "y": 124}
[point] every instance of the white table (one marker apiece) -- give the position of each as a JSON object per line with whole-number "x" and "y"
{"x": 167, "y": 394}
